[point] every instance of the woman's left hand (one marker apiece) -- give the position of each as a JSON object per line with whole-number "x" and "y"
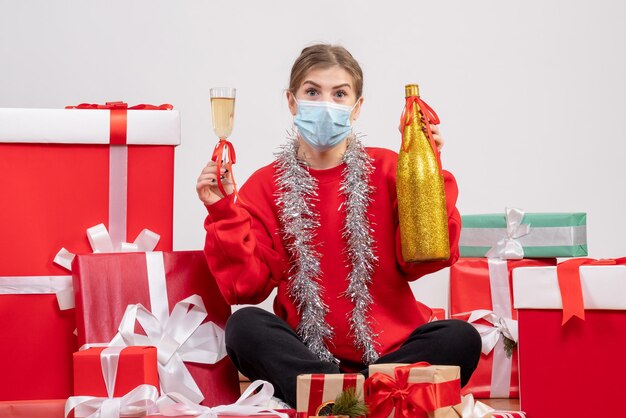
{"x": 436, "y": 134}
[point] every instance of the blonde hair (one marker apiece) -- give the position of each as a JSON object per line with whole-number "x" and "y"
{"x": 325, "y": 56}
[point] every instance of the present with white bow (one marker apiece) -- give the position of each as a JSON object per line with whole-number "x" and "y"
{"x": 132, "y": 366}
{"x": 38, "y": 338}
{"x": 572, "y": 322}
{"x": 120, "y": 398}
{"x": 164, "y": 299}
{"x": 481, "y": 293}
{"x": 65, "y": 170}
{"x": 517, "y": 234}
{"x": 477, "y": 409}
{"x": 252, "y": 403}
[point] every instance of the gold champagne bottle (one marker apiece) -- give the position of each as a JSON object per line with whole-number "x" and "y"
{"x": 421, "y": 195}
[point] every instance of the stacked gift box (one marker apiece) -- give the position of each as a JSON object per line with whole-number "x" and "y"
{"x": 99, "y": 178}
{"x": 481, "y": 292}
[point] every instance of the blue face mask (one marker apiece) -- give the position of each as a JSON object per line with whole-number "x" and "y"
{"x": 323, "y": 124}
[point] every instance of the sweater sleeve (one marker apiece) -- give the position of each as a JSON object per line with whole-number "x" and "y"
{"x": 240, "y": 252}
{"x": 414, "y": 271}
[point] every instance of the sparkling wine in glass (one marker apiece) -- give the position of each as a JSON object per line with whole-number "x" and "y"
{"x": 223, "y": 110}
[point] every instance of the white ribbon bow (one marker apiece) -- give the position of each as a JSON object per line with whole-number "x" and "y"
{"x": 508, "y": 248}
{"x": 490, "y": 334}
{"x": 101, "y": 242}
{"x": 474, "y": 409}
{"x": 249, "y": 403}
{"x": 140, "y": 400}
{"x": 179, "y": 338}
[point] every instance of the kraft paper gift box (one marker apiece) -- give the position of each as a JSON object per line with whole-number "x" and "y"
{"x": 169, "y": 286}
{"x": 314, "y": 391}
{"x": 136, "y": 366}
{"x": 37, "y": 338}
{"x": 576, "y": 368}
{"x": 481, "y": 293}
{"x": 419, "y": 390}
{"x": 541, "y": 235}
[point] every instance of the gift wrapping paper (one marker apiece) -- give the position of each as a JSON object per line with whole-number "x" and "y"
{"x": 482, "y": 287}
{"x": 575, "y": 368}
{"x": 106, "y": 284}
{"x": 136, "y": 366}
{"x": 316, "y": 390}
{"x": 544, "y": 235}
{"x": 38, "y": 338}
{"x": 419, "y": 389}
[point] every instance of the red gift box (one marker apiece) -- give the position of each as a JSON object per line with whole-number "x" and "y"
{"x": 105, "y": 284}
{"x": 481, "y": 284}
{"x": 316, "y": 390}
{"x": 574, "y": 369}
{"x": 38, "y": 339}
{"x": 60, "y": 176}
{"x": 438, "y": 314}
{"x": 136, "y": 366}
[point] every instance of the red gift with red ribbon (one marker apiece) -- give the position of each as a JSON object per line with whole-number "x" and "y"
{"x": 481, "y": 293}
{"x": 571, "y": 315}
{"x": 418, "y": 390}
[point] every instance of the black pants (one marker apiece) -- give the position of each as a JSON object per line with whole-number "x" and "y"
{"x": 263, "y": 346}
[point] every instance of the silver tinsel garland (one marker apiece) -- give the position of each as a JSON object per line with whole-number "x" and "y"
{"x": 297, "y": 193}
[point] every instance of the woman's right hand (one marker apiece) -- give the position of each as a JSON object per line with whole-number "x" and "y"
{"x": 207, "y": 188}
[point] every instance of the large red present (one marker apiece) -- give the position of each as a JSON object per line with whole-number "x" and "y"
{"x": 315, "y": 391}
{"x": 481, "y": 293}
{"x": 576, "y": 368}
{"x": 65, "y": 170}
{"x": 178, "y": 297}
{"x": 62, "y": 172}
{"x": 38, "y": 338}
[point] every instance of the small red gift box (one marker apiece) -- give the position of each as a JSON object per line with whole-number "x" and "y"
{"x": 38, "y": 338}
{"x": 314, "y": 391}
{"x": 106, "y": 284}
{"x": 438, "y": 314}
{"x": 576, "y": 368}
{"x": 136, "y": 366}
{"x": 481, "y": 291}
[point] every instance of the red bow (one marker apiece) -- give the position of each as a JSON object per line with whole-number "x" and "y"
{"x": 568, "y": 274}
{"x": 117, "y": 128}
{"x": 430, "y": 117}
{"x": 224, "y": 147}
{"x": 413, "y": 400}
{"x": 121, "y": 105}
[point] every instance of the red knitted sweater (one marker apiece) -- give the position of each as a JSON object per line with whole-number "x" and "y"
{"x": 245, "y": 252}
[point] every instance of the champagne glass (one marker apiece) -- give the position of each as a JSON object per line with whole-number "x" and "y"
{"x": 223, "y": 110}
{"x": 223, "y": 117}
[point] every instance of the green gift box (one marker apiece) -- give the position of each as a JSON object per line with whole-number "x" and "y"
{"x": 516, "y": 234}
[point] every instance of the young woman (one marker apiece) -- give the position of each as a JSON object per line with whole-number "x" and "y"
{"x": 320, "y": 224}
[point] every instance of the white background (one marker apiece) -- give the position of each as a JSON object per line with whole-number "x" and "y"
{"x": 532, "y": 94}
